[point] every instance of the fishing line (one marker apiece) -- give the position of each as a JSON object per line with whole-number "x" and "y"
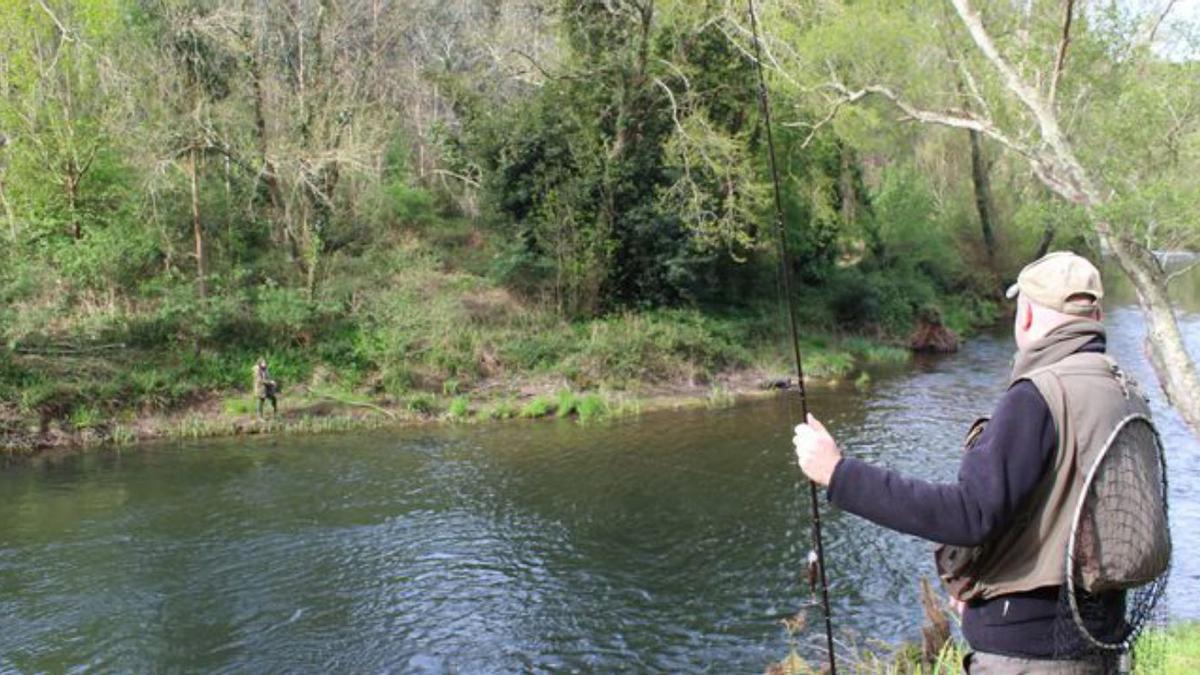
{"x": 786, "y": 276}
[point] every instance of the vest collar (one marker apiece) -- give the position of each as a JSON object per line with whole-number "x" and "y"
{"x": 1070, "y": 337}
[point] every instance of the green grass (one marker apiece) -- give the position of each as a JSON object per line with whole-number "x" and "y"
{"x": 591, "y": 407}
{"x": 86, "y": 417}
{"x": 566, "y": 403}
{"x": 504, "y": 409}
{"x": 421, "y": 403}
{"x": 828, "y": 365}
{"x": 873, "y": 353}
{"x": 1174, "y": 650}
{"x": 1171, "y": 651}
{"x": 863, "y": 381}
{"x": 539, "y": 406}
{"x": 240, "y": 405}
{"x": 459, "y": 409}
{"x": 720, "y": 397}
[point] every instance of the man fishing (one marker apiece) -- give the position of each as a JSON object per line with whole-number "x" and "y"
{"x": 1010, "y": 511}
{"x": 265, "y": 388}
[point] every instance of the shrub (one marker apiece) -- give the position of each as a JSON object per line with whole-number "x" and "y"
{"x": 658, "y": 345}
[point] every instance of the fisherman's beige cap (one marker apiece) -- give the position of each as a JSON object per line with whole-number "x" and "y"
{"x": 1054, "y": 278}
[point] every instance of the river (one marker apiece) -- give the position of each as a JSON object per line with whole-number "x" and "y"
{"x": 670, "y": 542}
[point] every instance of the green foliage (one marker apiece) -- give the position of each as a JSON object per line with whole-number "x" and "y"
{"x": 661, "y": 345}
{"x": 459, "y": 408}
{"x": 504, "y": 409}
{"x": 240, "y": 405}
{"x": 566, "y": 403}
{"x": 612, "y": 225}
{"x": 874, "y": 353}
{"x": 590, "y": 407}
{"x": 539, "y": 406}
{"x": 421, "y": 403}
{"x": 85, "y": 417}
{"x": 828, "y": 364}
{"x": 863, "y": 381}
{"x": 678, "y": 165}
{"x": 1174, "y": 650}
{"x": 720, "y": 397}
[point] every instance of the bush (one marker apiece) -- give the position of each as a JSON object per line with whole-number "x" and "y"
{"x": 658, "y": 345}
{"x": 283, "y": 311}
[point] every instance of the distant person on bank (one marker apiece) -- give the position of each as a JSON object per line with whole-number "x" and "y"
{"x": 265, "y": 388}
{"x": 1015, "y": 482}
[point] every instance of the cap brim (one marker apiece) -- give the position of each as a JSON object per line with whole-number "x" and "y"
{"x": 1012, "y": 291}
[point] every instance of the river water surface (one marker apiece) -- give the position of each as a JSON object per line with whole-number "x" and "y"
{"x": 670, "y": 542}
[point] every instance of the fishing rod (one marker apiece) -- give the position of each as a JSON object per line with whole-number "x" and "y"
{"x": 819, "y": 552}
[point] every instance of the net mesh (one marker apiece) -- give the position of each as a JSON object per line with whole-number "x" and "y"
{"x": 1119, "y": 554}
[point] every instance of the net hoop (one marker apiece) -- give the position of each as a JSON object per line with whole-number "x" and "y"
{"x": 1127, "y": 643}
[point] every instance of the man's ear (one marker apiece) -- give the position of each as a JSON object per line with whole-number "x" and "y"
{"x": 1027, "y": 318}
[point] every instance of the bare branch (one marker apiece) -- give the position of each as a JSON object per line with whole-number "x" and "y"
{"x": 953, "y": 118}
{"x": 973, "y": 87}
{"x": 458, "y": 176}
{"x": 1153, "y": 32}
{"x": 1012, "y": 80}
{"x": 66, "y": 34}
{"x": 545, "y": 73}
{"x": 1183, "y": 270}
{"x": 1056, "y": 73}
{"x": 1067, "y": 171}
{"x": 769, "y": 61}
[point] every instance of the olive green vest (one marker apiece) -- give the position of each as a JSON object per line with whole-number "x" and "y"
{"x": 1088, "y": 396}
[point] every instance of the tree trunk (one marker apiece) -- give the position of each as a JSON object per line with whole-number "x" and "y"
{"x": 849, "y": 197}
{"x": 277, "y": 210}
{"x": 848, "y": 207}
{"x": 1164, "y": 341}
{"x": 8, "y": 213}
{"x": 71, "y": 186}
{"x": 1047, "y": 239}
{"x": 1060, "y": 171}
{"x": 983, "y": 194}
{"x": 197, "y": 230}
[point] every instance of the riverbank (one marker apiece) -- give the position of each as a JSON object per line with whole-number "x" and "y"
{"x": 416, "y": 331}
{"x": 309, "y": 409}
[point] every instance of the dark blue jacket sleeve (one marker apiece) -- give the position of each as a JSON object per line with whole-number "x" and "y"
{"x": 995, "y": 478}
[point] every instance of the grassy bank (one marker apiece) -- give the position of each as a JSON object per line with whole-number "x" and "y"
{"x": 1171, "y": 650}
{"x": 412, "y": 331}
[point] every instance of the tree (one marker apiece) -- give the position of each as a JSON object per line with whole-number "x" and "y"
{"x": 1081, "y": 99}
{"x": 61, "y": 89}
